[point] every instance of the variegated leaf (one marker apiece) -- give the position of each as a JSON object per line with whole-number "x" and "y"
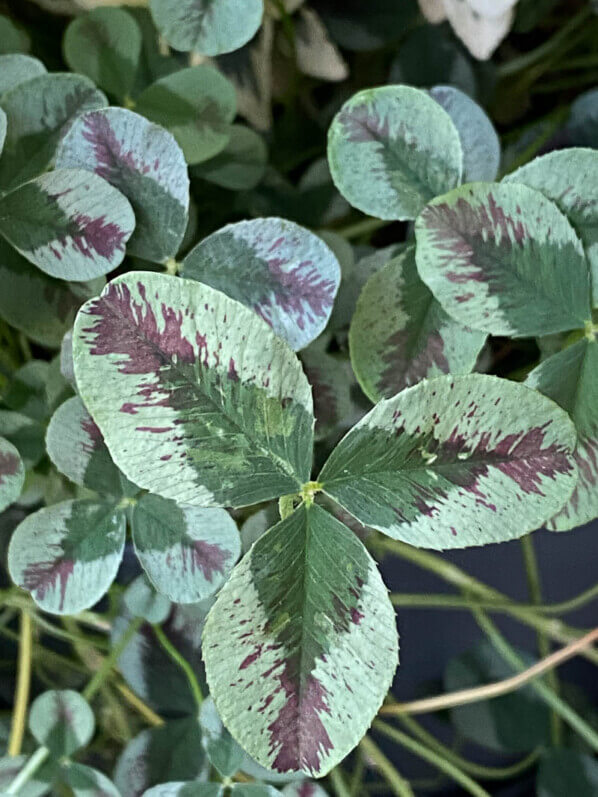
{"x": 70, "y": 223}
{"x": 61, "y": 720}
{"x": 186, "y": 551}
{"x": 454, "y": 462}
{"x": 189, "y": 789}
{"x": 479, "y": 140}
{"x": 76, "y": 446}
{"x": 67, "y": 368}
{"x": 88, "y": 782}
{"x": 571, "y": 379}
{"x": 400, "y": 334}
{"x": 301, "y": 646}
{"x": 39, "y": 113}
{"x": 241, "y": 164}
{"x": 144, "y": 162}
{"x": 67, "y": 555}
{"x": 503, "y": 259}
{"x": 140, "y": 599}
{"x": 224, "y": 753}
{"x": 105, "y": 45}
{"x": 41, "y": 306}
{"x": 197, "y": 105}
{"x": 284, "y": 273}
{"x": 305, "y": 788}
{"x": 254, "y": 790}
{"x": 206, "y": 27}
{"x": 190, "y": 406}
{"x": 569, "y": 177}
{"x": 393, "y": 149}
{"x": 330, "y": 380}
{"x": 12, "y": 474}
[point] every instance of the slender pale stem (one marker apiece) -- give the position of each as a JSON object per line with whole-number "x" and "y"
{"x": 111, "y": 659}
{"x": 338, "y": 782}
{"x": 182, "y": 662}
{"x": 364, "y": 227}
{"x": 19, "y": 716}
{"x": 29, "y": 770}
{"x": 397, "y": 782}
{"x": 148, "y": 714}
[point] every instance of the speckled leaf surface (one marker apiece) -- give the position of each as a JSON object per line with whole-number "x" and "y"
{"x": 17, "y": 68}
{"x": 88, "y": 782}
{"x": 105, "y": 45}
{"x": 207, "y": 27}
{"x": 393, "y": 149}
{"x": 197, "y": 105}
{"x": 479, "y": 140}
{"x": 569, "y": 178}
{"x": 144, "y": 162}
{"x": 400, "y": 334}
{"x": 67, "y": 555}
{"x": 283, "y": 272}
{"x": 12, "y": 473}
{"x": 571, "y": 379}
{"x": 62, "y": 721}
{"x": 69, "y": 223}
{"x": 454, "y": 462}
{"x": 186, "y": 551}
{"x": 197, "y": 399}
{"x": 503, "y": 259}
{"x": 301, "y": 646}
{"x": 39, "y": 113}
{"x": 76, "y": 446}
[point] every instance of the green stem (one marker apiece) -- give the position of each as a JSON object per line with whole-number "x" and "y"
{"x": 29, "y": 770}
{"x": 397, "y": 783}
{"x": 17, "y": 730}
{"x": 365, "y": 227}
{"x": 433, "y": 758}
{"x": 338, "y": 783}
{"x": 565, "y": 711}
{"x": 111, "y": 659}
{"x": 535, "y": 593}
{"x": 357, "y": 776}
{"x": 182, "y": 662}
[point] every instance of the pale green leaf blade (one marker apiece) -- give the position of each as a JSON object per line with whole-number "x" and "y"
{"x": 67, "y": 555}
{"x": 88, "y": 782}
{"x": 241, "y": 164}
{"x": 2, "y": 129}
{"x": 222, "y": 750}
{"x": 301, "y": 646}
{"x": 582, "y": 125}
{"x": 209, "y": 28}
{"x": 12, "y": 473}
{"x": 454, "y": 462}
{"x": 400, "y": 334}
{"x": 254, "y": 790}
{"x": 105, "y": 45}
{"x": 37, "y": 786}
{"x": 61, "y": 720}
{"x": 393, "y": 149}
{"x": 39, "y": 114}
{"x": 567, "y": 772}
{"x": 569, "y": 177}
{"x": 479, "y": 140}
{"x": 13, "y": 38}
{"x": 76, "y": 447}
{"x": 190, "y": 407}
{"x": 197, "y": 105}
{"x": 182, "y": 789}
{"x": 571, "y": 379}
{"x": 331, "y": 381}
{"x": 70, "y": 223}
{"x": 503, "y": 259}
{"x": 283, "y": 272}
{"x": 17, "y": 68}
{"x": 141, "y": 600}
{"x": 186, "y": 551}
{"x": 144, "y": 162}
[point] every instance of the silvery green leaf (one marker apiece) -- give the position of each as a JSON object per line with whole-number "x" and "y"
{"x": 17, "y": 68}
{"x": 240, "y": 165}
{"x": 61, "y": 720}
{"x": 12, "y": 474}
{"x": 222, "y": 750}
{"x": 88, "y": 782}
{"x": 141, "y": 600}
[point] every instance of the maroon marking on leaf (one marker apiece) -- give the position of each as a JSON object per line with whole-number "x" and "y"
{"x": 325, "y": 404}
{"x": 41, "y": 577}
{"x": 9, "y": 466}
{"x": 301, "y": 284}
{"x": 232, "y": 371}
{"x": 209, "y": 558}
{"x": 306, "y": 790}
{"x": 409, "y": 358}
{"x": 362, "y": 126}
{"x": 586, "y": 459}
{"x": 96, "y": 235}
{"x": 94, "y": 436}
{"x": 110, "y": 157}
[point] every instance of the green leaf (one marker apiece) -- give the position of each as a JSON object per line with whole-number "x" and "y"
{"x": 197, "y": 105}
{"x": 37, "y": 786}
{"x": 18, "y": 68}
{"x": 69, "y": 223}
{"x": 503, "y": 259}
{"x": 141, "y": 600}
{"x": 569, "y": 178}
{"x": 62, "y": 721}
{"x": 566, "y": 772}
{"x": 479, "y": 140}
{"x": 26, "y": 435}
{"x": 191, "y": 407}
{"x": 2, "y": 129}
{"x": 67, "y": 555}
{"x": 222, "y": 750}
{"x": 330, "y": 382}
{"x": 305, "y": 788}
{"x": 241, "y": 164}
{"x": 582, "y": 126}
{"x": 454, "y": 462}
{"x": 76, "y": 446}
{"x": 301, "y": 646}
{"x": 393, "y": 149}
{"x": 515, "y": 723}
{"x": 186, "y": 790}
{"x": 105, "y": 45}
{"x": 364, "y": 27}
{"x": 144, "y": 162}
{"x": 186, "y": 551}
{"x": 13, "y": 37}
{"x": 39, "y": 113}
{"x": 207, "y": 27}
{"x": 88, "y": 782}
{"x": 400, "y": 334}
{"x": 571, "y": 379}
{"x": 171, "y": 752}
{"x": 283, "y": 272}
{"x": 254, "y": 790}
{"x": 41, "y": 306}
{"x": 12, "y": 474}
